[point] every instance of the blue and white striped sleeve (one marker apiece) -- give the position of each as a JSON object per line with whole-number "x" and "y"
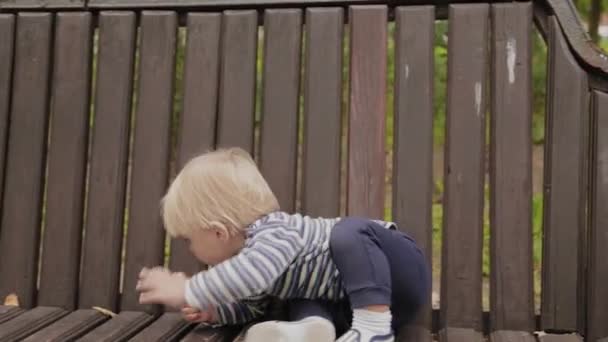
{"x": 251, "y": 272}
{"x": 243, "y": 311}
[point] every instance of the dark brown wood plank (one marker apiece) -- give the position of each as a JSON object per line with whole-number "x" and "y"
{"x": 464, "y": 168}
{"x": 413, "y": 137}
{"x": 322, "y": 112}
{"x": 7, "y": 34}
{"x": 66, "y": 161}
{"x": 237, "y": 80}
{"x": 168, "y": 327}
{"x": 29, "y": 322}
{"x": 150, "y": 156}
{"x": 198, "y": 119}
{"x": 560, "y": 338}
{"x": 511, "y": 291}
{"x": 120, "y": 328}
{"x": 460, "y": 335}
{"x": 108, "y": 168}
{"x": 366, "y": 138}
{"x": 41, "y": 4}
{"x": 564, "y": 188}
{"x": 23, "y": 189}
{"x": 511, "y": 336}
{"x": 204, "y": 333}
{"x": 9, "y": 312}
{"x": 69, "y": 328}
{"x": 280, "y": 103}
{"x": 597, "y": 310}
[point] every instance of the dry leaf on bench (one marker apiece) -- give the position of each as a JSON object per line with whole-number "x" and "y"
{"x": 105, "y": 311}
{"x": 11, "y": 300}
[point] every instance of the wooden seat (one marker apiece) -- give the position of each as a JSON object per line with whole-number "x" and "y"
{"x": 103, "y": 101}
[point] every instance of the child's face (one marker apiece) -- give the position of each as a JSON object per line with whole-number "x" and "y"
{"x": 212, "y": 246}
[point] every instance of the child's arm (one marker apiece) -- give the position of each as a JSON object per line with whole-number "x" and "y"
{"x": 249, "y": 273}
{"x": 242, "y": 311}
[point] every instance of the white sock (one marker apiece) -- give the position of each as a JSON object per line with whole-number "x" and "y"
{"x": 309, "y": 329}
{"x": 369, "y": 324}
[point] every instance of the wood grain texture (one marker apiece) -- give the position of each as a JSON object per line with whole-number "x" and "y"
{"x": 108, "y": 166}
{"x": 280, "y": 103}
{"x": 24, "y": 173}
{"x": 41, "y": 4}
{"x": 7, "y": 35}
{"x": 237, "y": 80}
{"x": 120, "y": 328}
{"x": 413, "y": 139}
{"x": 150, "y": 156}
{"x": 197, "y": 125}
{"x": 511, "y": 336}
{"x": 168, "y": 327}
{"x": 511, "y": 290}
{"x": 464, "y": 167}
{"x": 564, "y": 185}
{"x": 67, "y": 158}
{"x": 29, "y": 322}
{"x": 597, "y": 311}
{"x": 460, "y": 335}
{"x": 366, "y": 132}
{"x": 69, "y": 328}
{"x": 322, "y": 112}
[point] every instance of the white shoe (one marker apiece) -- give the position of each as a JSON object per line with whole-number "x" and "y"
{"x": 310, "y": 329}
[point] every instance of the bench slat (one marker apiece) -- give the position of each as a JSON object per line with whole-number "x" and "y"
{"x": 280, "y": 105}
{"x": 366, "y": 139}
{"x": 560, "y": 338}
{"x": 66, "y": 161}
{"x": 512, "y": 297}
{"x": 203, "y": 333}
{"x": 597, "y": 310}
{"x": 7, "y": 34}
{"x": 322, "y": 112}
{"x": 69, "y": 328}
{"x": 29, "y": 322}
{"x": 168, "y": 327}
{"x": 198, "y": 119}
{"x": 19, "y": 238}
{"x": 150, "y": 156}
{"x": 237, "y": 79}
{"x": 511, "y": 336}
{"x": 464, "y": 170}
{"x": 40, "y": 4}
{"x": 564, "y": 197}
{"x": 460, "y": 335}
{"x": 9, "y": 312}
{"x": 413, "y": 137}
{"x": 120, "y": 328}
{"x": 108, "y": 168}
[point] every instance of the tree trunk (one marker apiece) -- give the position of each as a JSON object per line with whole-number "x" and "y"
{"x": 594, "y": 19}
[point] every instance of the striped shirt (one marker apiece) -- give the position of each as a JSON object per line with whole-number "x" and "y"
{"x": 285, "y": 256}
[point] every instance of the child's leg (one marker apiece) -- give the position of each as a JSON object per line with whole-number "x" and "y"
{"x": 308, "y": 321}
{"x": 380, "y": 268}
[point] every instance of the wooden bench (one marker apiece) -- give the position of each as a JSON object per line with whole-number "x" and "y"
{"x": 89, "y": 141}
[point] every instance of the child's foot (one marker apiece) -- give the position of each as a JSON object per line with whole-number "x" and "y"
{"x": 369, "y": 326}
{"x": 315, "y": 329}
{"x": 354, "y": 335}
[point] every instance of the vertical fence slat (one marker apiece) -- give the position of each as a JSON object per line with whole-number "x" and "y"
{"x": 413, "y": 140}
{"x": 464, "y": 172}
{"x": 564, "y": 189}
{"x": 597, "y": 310}
{"x": 150, "y": 161}
{"x": 7, "y": 33}
{"x": 197, "y": 125}
{"x": 108, "y": 168}
{"x": 322, "y": 112}
{"x": 512, "y": 298}
{"x": 237, "y": 80}
{"x": 19, "y": 239}
{"x": 366, "y": 138}
{"x": 67, "y": 160}
{"x": 279, "y": 132}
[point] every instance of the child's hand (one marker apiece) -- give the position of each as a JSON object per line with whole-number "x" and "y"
{"x": 159, "y": 286}
{"x": 191, "y": 314}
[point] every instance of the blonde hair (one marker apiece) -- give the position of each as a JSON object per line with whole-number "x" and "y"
{"x": 222, "y": 189}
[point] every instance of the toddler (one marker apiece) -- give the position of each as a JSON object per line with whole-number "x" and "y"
{"x": 223, "y": 207}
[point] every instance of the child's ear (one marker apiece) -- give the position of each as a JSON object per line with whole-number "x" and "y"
{"x": 222, "y": 234}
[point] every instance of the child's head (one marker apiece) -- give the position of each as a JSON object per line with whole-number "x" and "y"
{"x": 214, "y": 198}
